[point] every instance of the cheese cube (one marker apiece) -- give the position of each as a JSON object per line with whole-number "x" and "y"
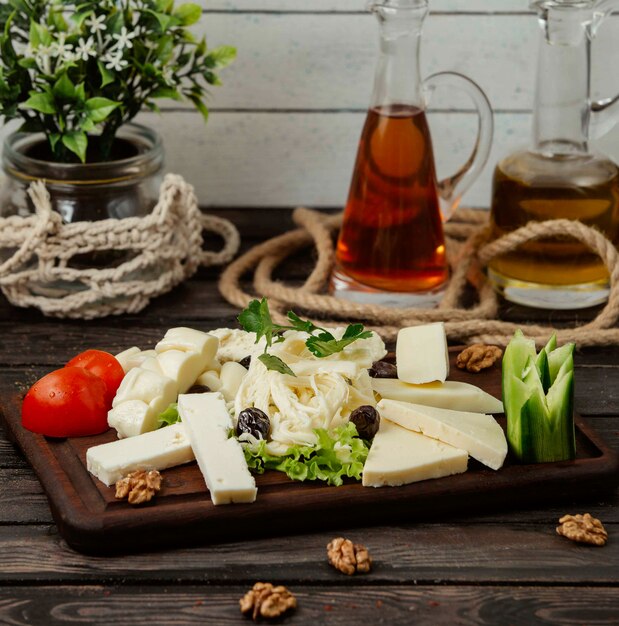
{"x": 421, "y": 354}
{"x": 219, "y": 456}
{"x": 480, "y": 435}
{"x": 210, "y": 379}
{"x": 189, "y": 340}
{"x": 399, "y": 456}
{"x": 231, "y": 377}
{"x": 160, "y": 449}
{"x": 128, "y": 418}
{"x": 145, "y": 385}
{"x": 181, "y": 367}
{"x": 447, "y": 395}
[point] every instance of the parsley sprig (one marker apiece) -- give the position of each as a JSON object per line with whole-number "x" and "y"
{"x": 321, "y": 343}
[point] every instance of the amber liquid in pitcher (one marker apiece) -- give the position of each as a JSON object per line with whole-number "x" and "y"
{"x": 392, "y": 238}
{"x": 588, "y": 193}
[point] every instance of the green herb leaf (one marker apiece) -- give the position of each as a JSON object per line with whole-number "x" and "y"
{"x": 64, "y": 88}
{"x": 107, "y": 77}
{"x": 299, "y": 324}
{"x": 223, "y": 55}
{"x": 272, "y": 362}
{"x": 169, "y": 416}
{"x": 188, "y": 13}
{"x": 325, "y": 344}
{"x": 77, "y": 143}
{"x": 100, "y": 108}
{"x": 256, "y": 318}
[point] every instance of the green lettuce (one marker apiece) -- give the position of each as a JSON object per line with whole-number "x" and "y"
{"x": 169, "y": 416}
{"x": 320, "y": 462}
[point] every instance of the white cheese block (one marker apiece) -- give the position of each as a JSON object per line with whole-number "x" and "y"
{"x": 145, "y": 385}
{"x": 152, "y": 364}
{"x": 133, "y": 357}
{"x": 182, "y": 367}
{"x": 399, "y": 456}
{"x": 189, "y": 340}
{"x": 210, "y": 379}
{"x": 129, "y": 418}
{"x": 447, "y": 395}
{"x": 219, "y": 456}
{"x": 480, "y": 435}
{"x": 231, "y": 377}
{"x": 421, "y": 354}
{"x": 307, "y": 367}
{"x": 160, "y": 449}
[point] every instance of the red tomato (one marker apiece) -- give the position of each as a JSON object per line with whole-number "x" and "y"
{"x": 69, "y": 402}
{"x": 103, "y": 365}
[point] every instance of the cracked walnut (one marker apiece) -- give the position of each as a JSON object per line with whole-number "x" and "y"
{"x": 139, "y": 486}
{"x": 265, "y": 600}
{"x": 347, "y": 557}
{"x": 583, "y": 529}
{"x": 478, "y": 357}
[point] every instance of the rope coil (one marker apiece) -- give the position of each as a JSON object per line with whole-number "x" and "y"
{"x": 158, "y": 252}
{"x": 470, "y": 249}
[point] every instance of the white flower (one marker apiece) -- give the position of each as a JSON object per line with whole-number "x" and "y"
{"x": 115, "y": 62}
{"x": 85, "y": 49}
{"x": 62, "y": 50}
{"x": 123, "y": 39}
{"x": 96, "y": 24}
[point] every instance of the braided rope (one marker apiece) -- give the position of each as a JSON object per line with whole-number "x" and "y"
{"x": 161, "y": 250}
{"x": 470, "y": 250}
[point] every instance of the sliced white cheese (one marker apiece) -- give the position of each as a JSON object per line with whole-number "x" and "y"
{"x": 447, "y": 395}
{"x": 480, "y": 435}
{"x": 182, "y": 367}
{"x": 210, "y": 379}
{"x": 219, "y": 456}
{"x": 421, "y": 354}
{"x": 399, "y": 456}
{"x": 128, "y": 418}
{"x": 231, "y": 377}
{"x": 189, "y": 340}
{"x": 307, "y": 367}
{"x": 160, "y": 449}
{"x": 152, "y": 364}
{"x": 141, "y": 384}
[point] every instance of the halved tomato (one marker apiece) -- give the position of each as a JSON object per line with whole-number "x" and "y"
{"x": 105, "y": 366}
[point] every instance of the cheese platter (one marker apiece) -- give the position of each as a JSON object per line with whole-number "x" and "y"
{"x": 299, "y": 434}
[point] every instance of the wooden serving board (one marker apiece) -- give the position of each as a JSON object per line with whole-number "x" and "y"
{"x": 93, "y": 521}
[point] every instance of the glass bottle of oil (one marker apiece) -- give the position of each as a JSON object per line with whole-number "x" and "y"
{"x": 559, "y": 177}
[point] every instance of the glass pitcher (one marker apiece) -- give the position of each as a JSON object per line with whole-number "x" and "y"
{"x": 391, "y": 248}
{"x": 559, "y": 177}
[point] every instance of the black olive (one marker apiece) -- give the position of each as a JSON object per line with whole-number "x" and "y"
{"x": 253, "y": 421}
{"x": 383, "y": 369}
{"x": 198, "y": 389}
{"x": 246, "y": 362}
{"x": 367, "y": 419}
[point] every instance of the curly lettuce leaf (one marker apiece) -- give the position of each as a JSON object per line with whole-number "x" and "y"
{"x": 336, "y": 455}
{"x": 169, "y": 416}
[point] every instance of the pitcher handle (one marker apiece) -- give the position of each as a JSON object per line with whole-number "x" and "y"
{"x": 452, "y": 188}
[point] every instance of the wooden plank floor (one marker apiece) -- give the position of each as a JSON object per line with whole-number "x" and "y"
{"x": 503, "y": 567}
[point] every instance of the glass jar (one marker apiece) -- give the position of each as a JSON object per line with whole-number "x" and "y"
{"x": 126, "y": 186}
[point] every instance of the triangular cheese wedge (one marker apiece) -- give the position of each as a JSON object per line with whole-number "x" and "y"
{"x": 480, "y": 435}
{"x": 399, "y": 456}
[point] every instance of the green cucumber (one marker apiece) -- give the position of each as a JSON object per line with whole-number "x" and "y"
{"x": 538, "y": 391}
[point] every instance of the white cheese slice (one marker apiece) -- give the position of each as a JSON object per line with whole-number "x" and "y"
{"x": 182, "y": 367}
{"x": 160, "y": 449}
{"x": 399, "y": 456}
{"x": 480, "y": 435}
{"x": 133, "y": 357}
{"x": 421, "y": 354}
{"x": 210, "y": 379}
{"x": 231, "y": 377}
{"x": 219, "y": 456}
{"x": 448, "y": 395}
{"x": 189, "y": 340}
{"x": 145, "y": 385}
{"x": 128, "y": 418}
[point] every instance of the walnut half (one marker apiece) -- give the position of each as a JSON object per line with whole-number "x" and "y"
{"x": 583, "y": 529}
{"x": 347, "y": 557}
{"x": 139, "y": 486}
{"x": 265, "y": 600}
{"x": 478, "y": 357}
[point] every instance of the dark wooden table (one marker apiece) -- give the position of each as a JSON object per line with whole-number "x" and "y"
{"x": 504, "y": 567}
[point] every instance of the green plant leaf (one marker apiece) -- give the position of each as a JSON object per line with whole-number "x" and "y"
{"x": 200, "y": 106}
{"x": 42, "y": 102}
{"x": 39, "y": 35}
{"x": 54, "y": 138}
{"x": 272, "y": 362}
{"x": 166, "y": 22}
{"x": 223, "y": 55}
{"x": 188, "y": 13}
{"x": 64, "y": 88}
{"x": 256, "y": 318}
{"x": 99, "y": 108}
{"x": 107, "y": 77}
{"x": 166, "y": 92}
{"x": 80, "y": 92}
{"x": 77, "y": 143}
{"x": 169, "y": 416}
